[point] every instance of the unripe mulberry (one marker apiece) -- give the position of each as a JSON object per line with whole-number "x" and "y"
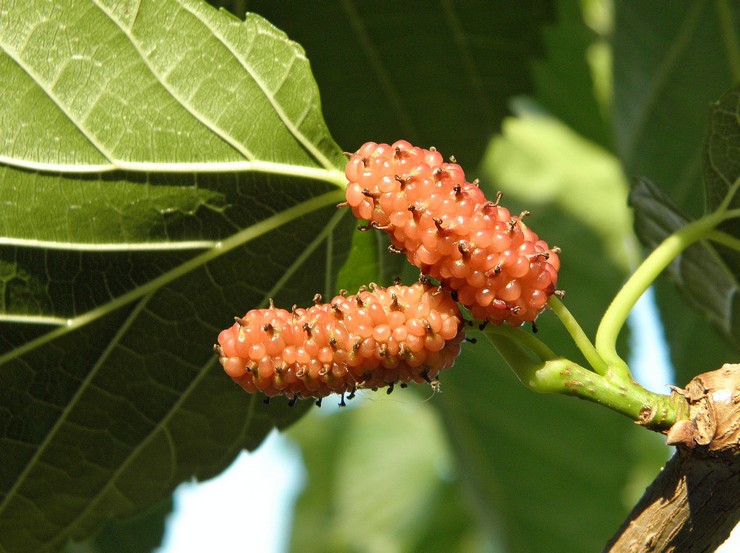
{"x": 495, "y": 263}
{"x": 376, "y": 338}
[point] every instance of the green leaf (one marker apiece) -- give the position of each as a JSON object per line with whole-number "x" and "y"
{"x": 442, "y": 75}
{"x": 565, "y": 79}
{"x": 707, "y": 282}
{"x": 381, "y": 479}
{"x": 665, "y": 77}
{"x": 721, "y": 159}
{"x": 558, "y": 490}
{"x": 143, "y": 532}
{"x": 163, "y": 167}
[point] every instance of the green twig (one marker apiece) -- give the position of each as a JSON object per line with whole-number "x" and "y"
{"x": 724, "y": 206}
{"x": 531, "y": 342}
{"x": 620, "y": 307}
{"x": 562, "y": 376}
{"x": 725, "y": 239}
{"x": 579, "y": 336}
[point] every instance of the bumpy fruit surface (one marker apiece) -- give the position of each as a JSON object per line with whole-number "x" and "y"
{"x": 495, "y": 263}
{"x": 376, "y": 338}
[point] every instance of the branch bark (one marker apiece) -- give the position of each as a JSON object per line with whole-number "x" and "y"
{"x": 694, "y": 503}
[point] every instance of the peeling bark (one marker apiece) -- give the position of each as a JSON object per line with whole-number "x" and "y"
{"x": 694, "y": 503}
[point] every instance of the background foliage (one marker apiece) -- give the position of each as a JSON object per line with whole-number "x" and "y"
{"x": 164, "y": 166}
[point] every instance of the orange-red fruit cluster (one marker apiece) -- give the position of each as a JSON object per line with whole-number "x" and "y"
{"x": 373, "y": 339}
{"x": 445, "y": 225}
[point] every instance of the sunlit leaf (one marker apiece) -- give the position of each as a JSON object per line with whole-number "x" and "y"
{"x": 163, "y": 167}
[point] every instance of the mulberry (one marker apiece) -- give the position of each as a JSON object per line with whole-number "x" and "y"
{"x": 376, "y": 338}
{"x": 496, "y": 265}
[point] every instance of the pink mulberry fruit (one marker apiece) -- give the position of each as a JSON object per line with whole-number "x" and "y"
{"x": 496, "y": 265}
{"x": 376, "y": 338}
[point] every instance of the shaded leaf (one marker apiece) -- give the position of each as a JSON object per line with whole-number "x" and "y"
{"x": 538, "y": 486}
{"x": 707, "y": 282}
{"x": 564, "y": 79}
{"x": 442, "y": 75}
{"x": 381, "y": 478}
{"x": 722, "y": 157}
{"x": 163, "y": 167}
{"x": 141, "y": 533}
{"x": 665, "y": 77}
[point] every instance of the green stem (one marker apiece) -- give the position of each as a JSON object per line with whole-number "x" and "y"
{"x": 729, "y": 196}
{"x": 620, "y": 307}
{"x": 562, "y": 376}
{"x": 654, "y": 411}
{"x": 522, "y": 337}
{"x": 579, "y": 336}
{"x": 725, "y": 239}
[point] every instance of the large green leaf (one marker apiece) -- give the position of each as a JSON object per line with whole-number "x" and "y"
{"x": 566, "y": 83}
{"x": 440, "y": 73}
{"x": 163, "y": 167}
{"x": 666, "y": 76}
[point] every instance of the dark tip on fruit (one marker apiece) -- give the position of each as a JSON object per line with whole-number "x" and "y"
{"x": 440, "y": 229}
{"x": 365, "y": 228}
{"x": 463, "y": 248}
{"x": 266, "y": 401}
{"x": 241, "y": 321}
{"x": 452, "y": 159}
{"x": 483, "y": 325}
{"x": 404, "y": 385}
{"x": 525, "y": 213}
{"x": 403, "y": 351}
{"x": 348, "y": 154}
{"x": 535, "y": 330}
{"x": 394, "y": 249}
{"x": 559, "y": 293}
{"x": 268, "y": 328}
{"x": 397, "y": 280}
{"x": 318, "y": 402}
{"x": 352, "y": 393}
{"x": 356, "y": 345}
{"x": 307, "y": 328}
{"x": 390, "y": 389}
{"x": 425, "y": 375}
{"x": 292, "y": 401}
{"x": 340, "y": 205}
{"x": 471, "y": 340}
{"x": 218, "y": 349}
{"x": 555, "y": 249}
{"x": 454, "y": 295}
{"x": 317, "y": 298}
{"x": 341, "y": 401}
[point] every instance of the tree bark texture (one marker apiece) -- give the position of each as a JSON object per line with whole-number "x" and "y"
{"x": 694, "y": 503}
